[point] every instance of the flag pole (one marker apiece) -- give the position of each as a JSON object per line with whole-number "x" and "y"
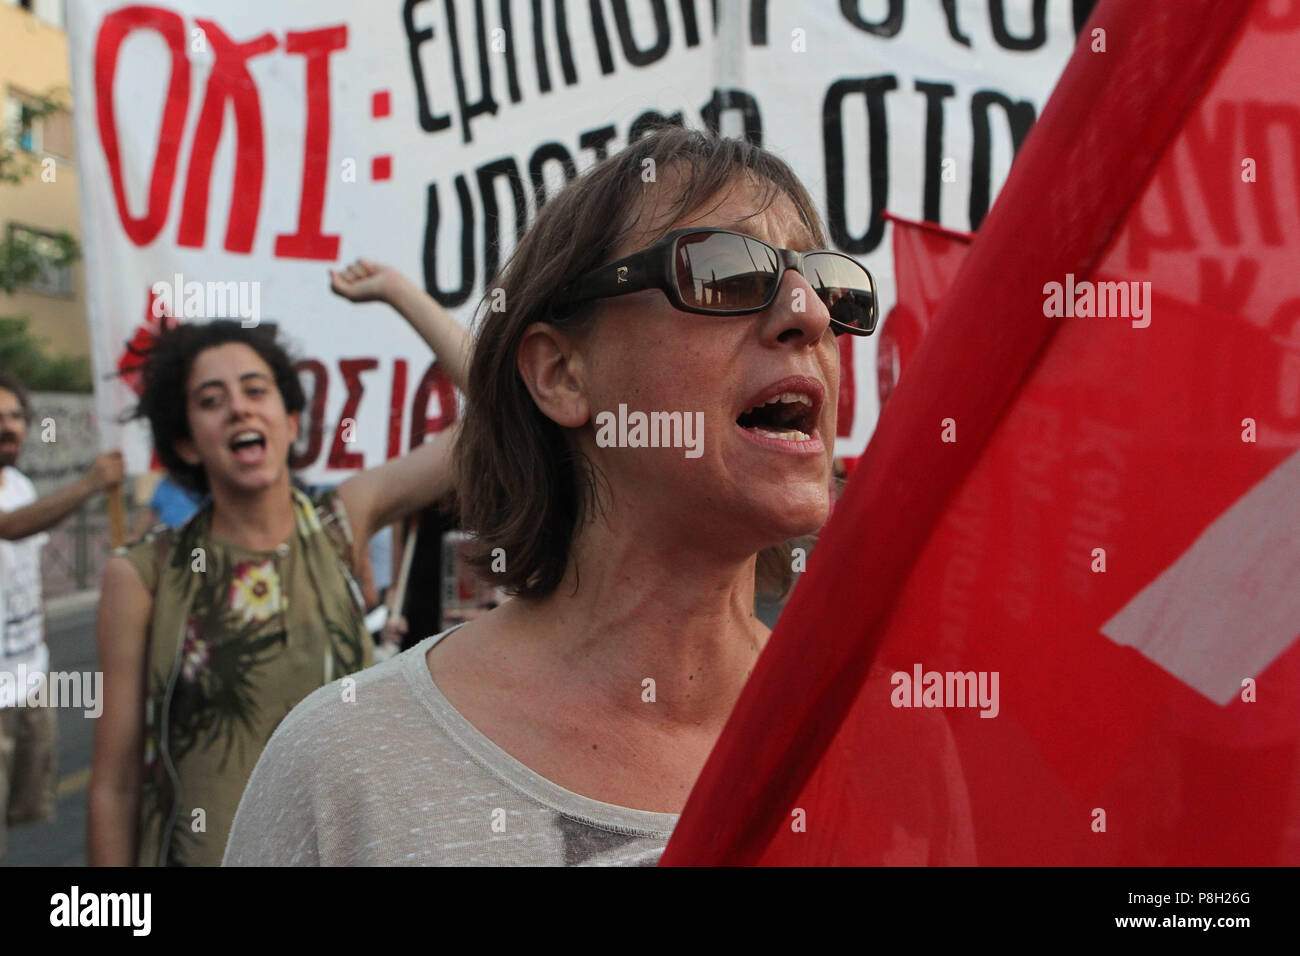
{"x": 116, "y": 516}
{"x": 397, "y": 595}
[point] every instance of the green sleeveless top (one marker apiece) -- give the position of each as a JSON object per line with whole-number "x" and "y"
{"x": 236, "y": 639}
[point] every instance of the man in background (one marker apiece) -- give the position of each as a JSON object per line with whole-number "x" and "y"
{"x": 28, "y": 735}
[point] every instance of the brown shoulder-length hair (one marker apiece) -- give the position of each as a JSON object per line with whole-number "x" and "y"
{"x": 523, "y": 486}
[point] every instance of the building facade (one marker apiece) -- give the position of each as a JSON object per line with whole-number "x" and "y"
{"x": 34, "y": 64}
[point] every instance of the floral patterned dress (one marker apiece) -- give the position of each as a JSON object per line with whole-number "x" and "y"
{"x": 236, "y": 639}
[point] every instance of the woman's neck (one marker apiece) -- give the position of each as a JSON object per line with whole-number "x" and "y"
{"x": 258, "y": 521}
{"x": 630, "y": 609}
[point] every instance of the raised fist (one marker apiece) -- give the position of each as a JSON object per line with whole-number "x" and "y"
{"x": 107, "y": 469}
{"x": 366, "y": 281}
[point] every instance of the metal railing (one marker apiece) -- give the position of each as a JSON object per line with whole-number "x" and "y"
{"x": 79, "y": 547}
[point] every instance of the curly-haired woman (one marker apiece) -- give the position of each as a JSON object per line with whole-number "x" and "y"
{"x": 209, "y": 634}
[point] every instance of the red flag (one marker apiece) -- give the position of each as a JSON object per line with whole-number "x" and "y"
{"x": 131, "y": 362}
{"x": 1055, "y": 618}
{"x": 926, "y": 260}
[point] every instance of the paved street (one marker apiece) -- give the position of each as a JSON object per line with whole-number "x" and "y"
{"x": 70, "y": 632}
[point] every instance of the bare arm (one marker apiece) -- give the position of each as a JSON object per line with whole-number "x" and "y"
{"x": 380, "y": 496}
{"x": 366, "y": 281}
{"x": 48, "y": 511}
{"x": 114, "y": 796}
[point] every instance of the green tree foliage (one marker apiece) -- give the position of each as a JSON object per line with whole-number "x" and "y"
{"x": 17, "y": 164}
{"x": 22, "y": 257}
{"x": 23, "y": 355}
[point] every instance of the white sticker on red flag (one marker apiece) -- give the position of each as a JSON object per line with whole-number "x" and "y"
{"x": 1202, "y": 619}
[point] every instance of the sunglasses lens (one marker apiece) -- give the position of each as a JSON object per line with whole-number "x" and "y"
{"x": 724, "y": 272}
{"x": 845, "y": 286}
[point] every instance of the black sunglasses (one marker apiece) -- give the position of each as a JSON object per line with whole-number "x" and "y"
{"x": 720, "y": 272}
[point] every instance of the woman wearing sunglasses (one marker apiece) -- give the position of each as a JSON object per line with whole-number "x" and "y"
{"x": 568, "y": 725}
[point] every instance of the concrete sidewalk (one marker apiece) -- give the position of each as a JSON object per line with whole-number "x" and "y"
{"x": 70, "y": 634}
{"x": 70, "y": 605}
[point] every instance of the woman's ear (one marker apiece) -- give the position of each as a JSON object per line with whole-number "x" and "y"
{"x": 295, "y": 423}
{"x": 551, "y": 366}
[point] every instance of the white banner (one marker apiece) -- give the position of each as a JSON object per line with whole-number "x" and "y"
{"x": 234, "y": 151}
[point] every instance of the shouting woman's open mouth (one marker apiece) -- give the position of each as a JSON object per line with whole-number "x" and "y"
{"x": 248, "y": 445}
{"x": 785, "y": 415}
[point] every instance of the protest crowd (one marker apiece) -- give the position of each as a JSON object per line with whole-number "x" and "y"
{"x": 566, "y": 470}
